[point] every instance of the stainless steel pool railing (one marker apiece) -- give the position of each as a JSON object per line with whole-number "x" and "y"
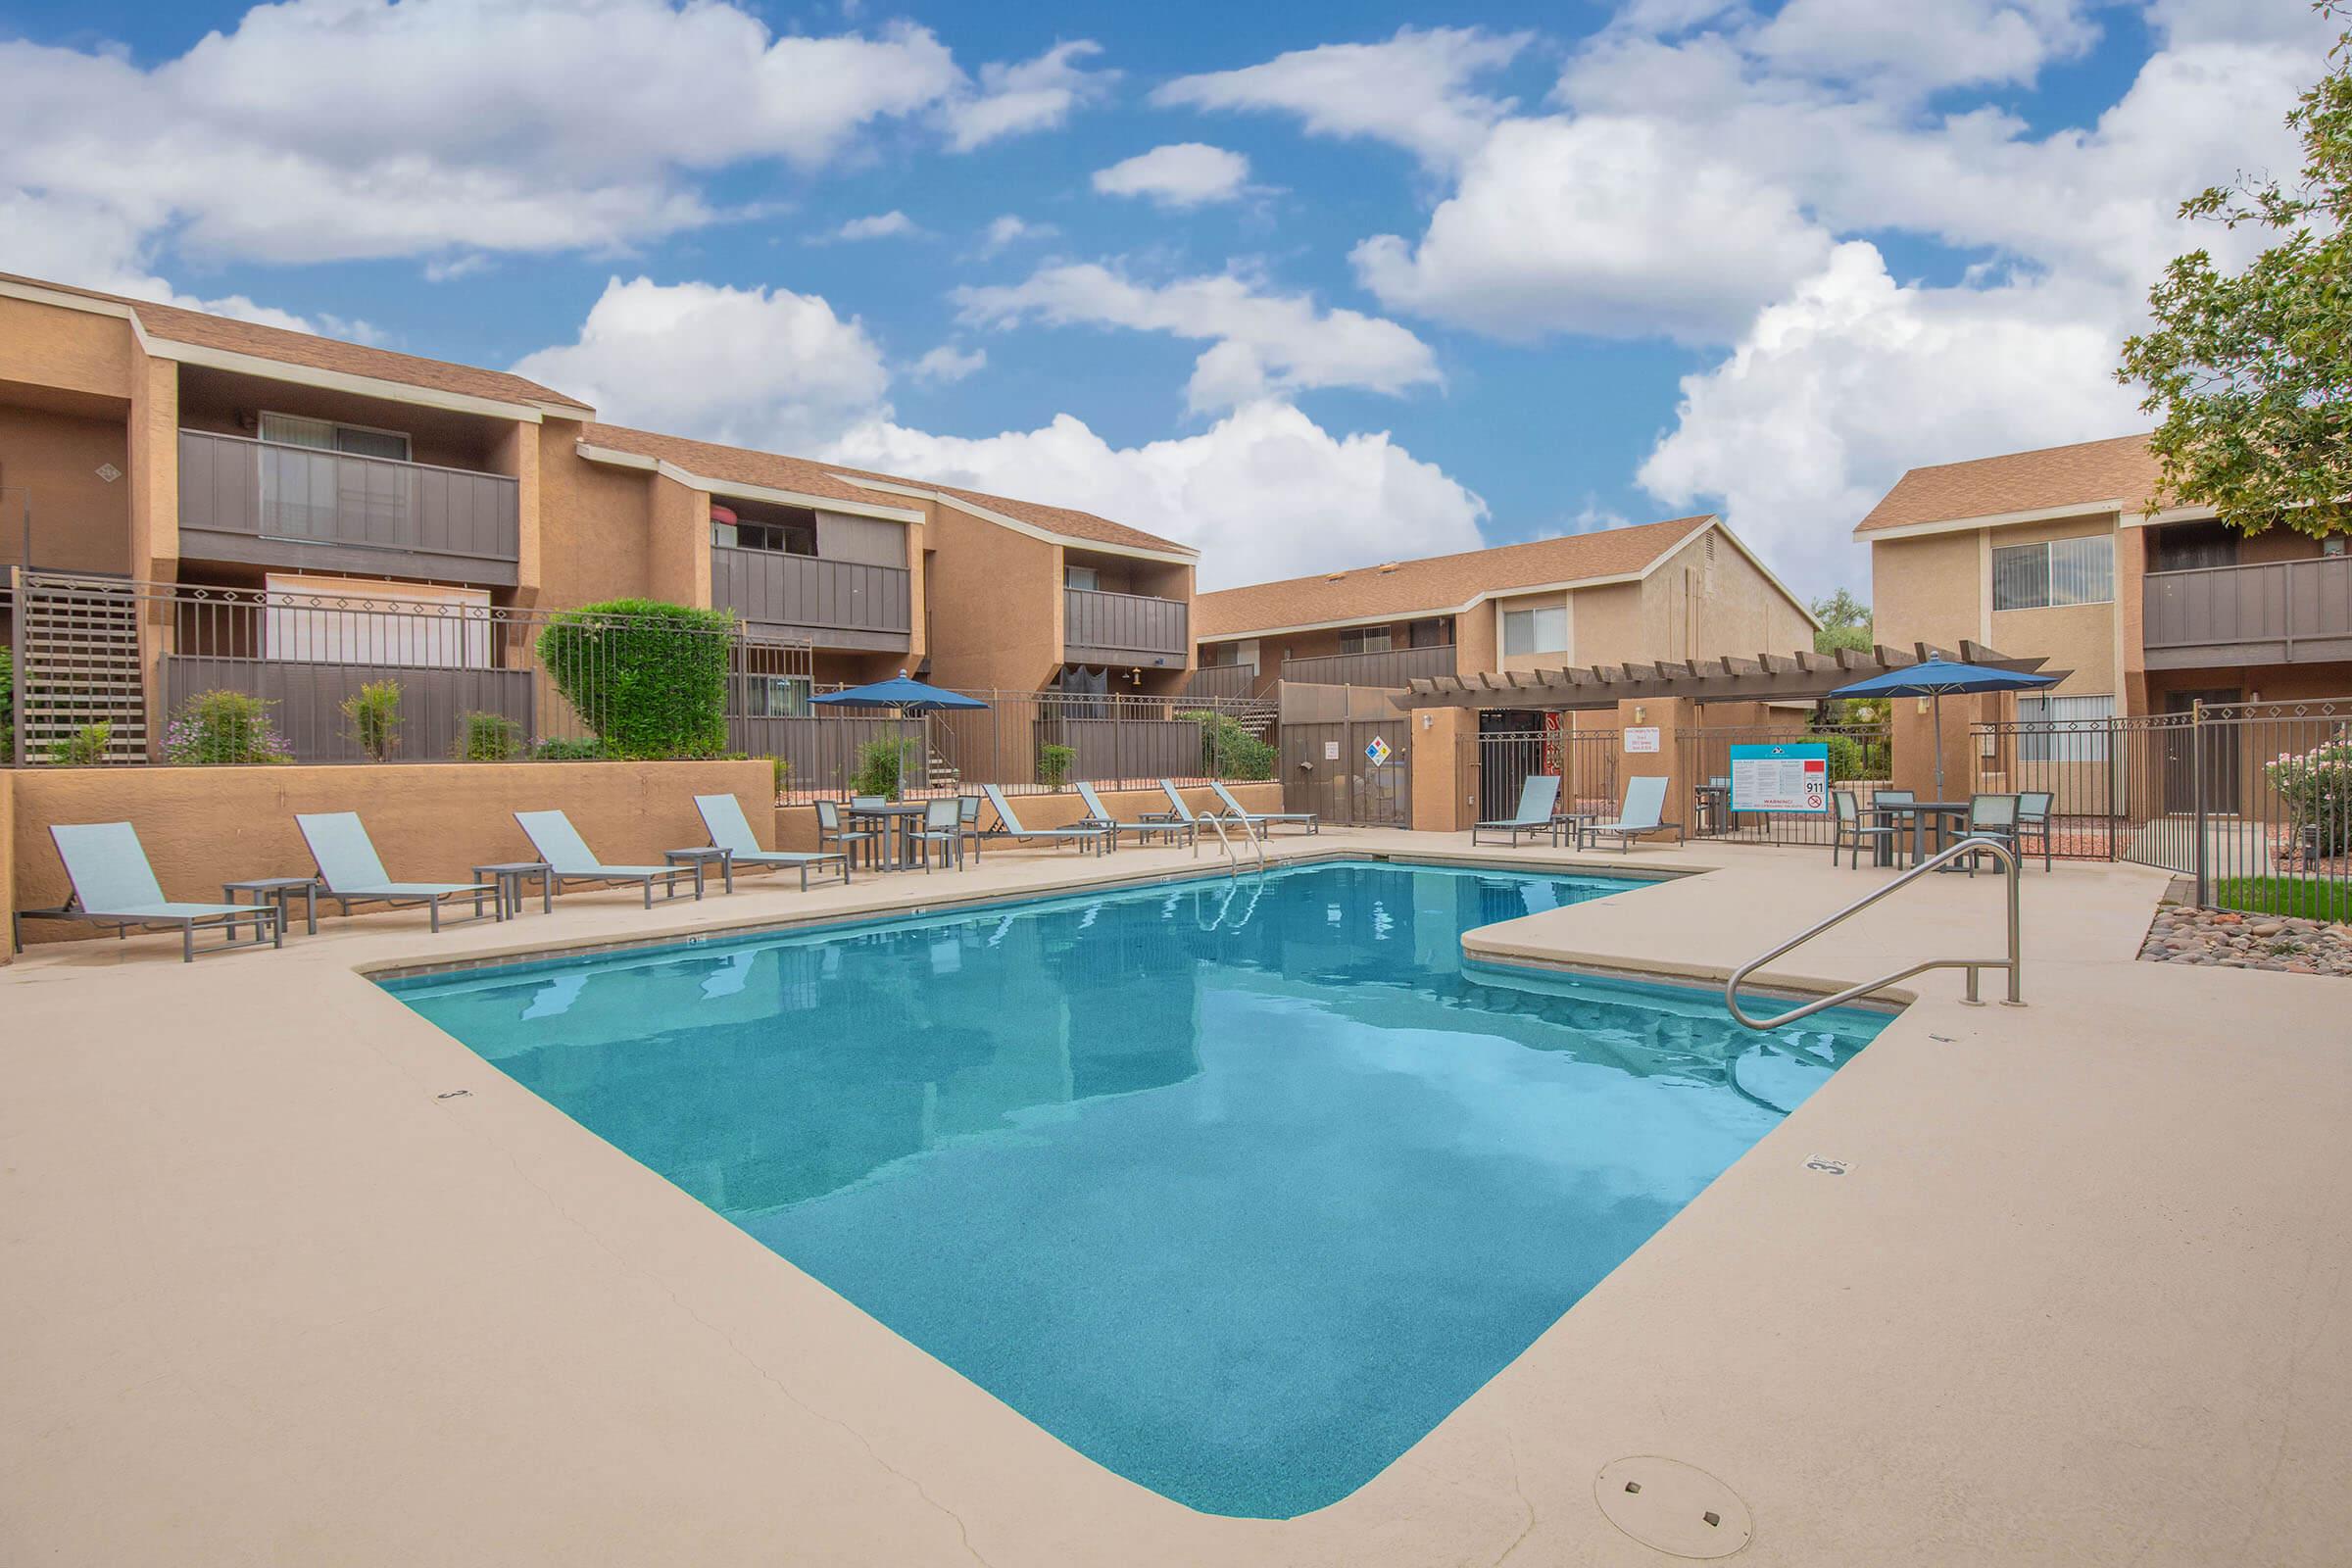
{"x": 1970, "y": 845}
{"x": 1217, "y": 821}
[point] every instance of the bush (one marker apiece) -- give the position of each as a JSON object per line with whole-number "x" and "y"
{"x": 1228, "y": 751}
{"x": 374, "y": 714}
{"x": 84, "y": 748}
{"x": 487, "y": 738}
{"x": 8, "y": 708}
{"x": 783, "y": 770}
{"x": 221, "y": 727}
{"x": 1053, "y": 765}
{"x": 649, "y": 679}
{"x": 2317, "y": 786}
{"x": 573, "y": 751}
{"x": 880, "y": 766}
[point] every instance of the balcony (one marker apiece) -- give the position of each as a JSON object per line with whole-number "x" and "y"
{"x": 831, "y": 604}
{"x": 1221, "y": 681}
{"x": 2275, "y": 613}
{"x": 1390, "y": 666}
{"x": 1108, "y": 628}
{"x": 269, "y": 505}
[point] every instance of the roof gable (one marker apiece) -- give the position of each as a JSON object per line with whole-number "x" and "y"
{"x": 2120, "y": 472}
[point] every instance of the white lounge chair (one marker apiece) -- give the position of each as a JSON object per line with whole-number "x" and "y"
{"x": 349, "y": 869}
{"x": 561, "y": 846}
{"x": 114, "y": 885}
{"x": 1539, "y": 799}
{"x": 1099, "y": 816}
{"x": 1261, "y": 820}
{"x": 731, "y": 831}
{"x": 1644, "y": 799}
{"x": 1008, "y": 826}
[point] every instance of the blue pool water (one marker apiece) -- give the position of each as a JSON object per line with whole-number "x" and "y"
{"x": 1237, "y": 1187}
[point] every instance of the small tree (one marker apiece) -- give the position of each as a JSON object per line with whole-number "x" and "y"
{"x": 374, "y": 714}
{"x": 880, "y": 765}
{"x": 1054, "y": 762}
{"x": 783, "y": 767}
{"x": 649, "y": 679}
{"x": 1844, "y": 623}
{"x": 84, "y": 748}
{"x": 1228, "y": 751}
{"x": 2250, "y": 372}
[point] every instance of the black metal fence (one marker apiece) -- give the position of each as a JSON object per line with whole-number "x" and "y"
{"x": 1585, "y": 761}
{"x": 1860, "y": 759}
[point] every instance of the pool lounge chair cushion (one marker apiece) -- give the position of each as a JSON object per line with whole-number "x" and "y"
{"x": 350, "y": 868}
{"x": 114, "y": 885}
{"x": 1009, "y": 825}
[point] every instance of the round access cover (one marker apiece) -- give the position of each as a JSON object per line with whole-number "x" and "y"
{"x": 1673, "y": 1507}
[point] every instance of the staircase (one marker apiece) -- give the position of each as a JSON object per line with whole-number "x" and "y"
{"x": 1258, "y": 717}
{"x": 78, "y": 664}
{"x": 940, "y": 774}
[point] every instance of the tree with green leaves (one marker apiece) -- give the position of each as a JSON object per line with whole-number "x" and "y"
{"x": 1844, "y": 623}
{"x": 2251, "y": 372}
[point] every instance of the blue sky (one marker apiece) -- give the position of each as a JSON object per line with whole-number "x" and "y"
{"x": 1394, "y": 281}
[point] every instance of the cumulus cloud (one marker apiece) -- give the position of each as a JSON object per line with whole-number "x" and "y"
{"x": 947, "y": 362}
{"x": 1261, "y": 341}
{"x": 879, "y": 225}
{"x": 1264, "y": 493}
{"x": 1182, "y": 175}
{"x": 760, "y": 367}
{"x": 1031, "y": 95}
{"x": 1009, "y": 229}
{"x": 1413, "y": 91}
{"x": 1951, "y": 43}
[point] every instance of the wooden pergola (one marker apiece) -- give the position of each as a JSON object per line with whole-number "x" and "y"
{"x": 1800, "y": 676}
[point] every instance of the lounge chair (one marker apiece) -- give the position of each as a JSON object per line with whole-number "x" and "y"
{"x": 561, "y": 846}
{"x": 1177, "y": 810}
{"x": 731, "y": 831}
{"x": 114, "y": 885}
{"x": 1008, "y": 826}
{"x": 1099, "y": 816}
{"x": 1644, "y": 799}
{"x": 350, "y": 868}
{"x": 1262, "y": 821}
{"x": 1539, "y": 799}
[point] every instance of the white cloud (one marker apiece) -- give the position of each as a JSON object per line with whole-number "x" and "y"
{"x": 947, "y": 362}
{"x": 1010, "y": 229}
{"x": 1413, "y": 91}
{"x": 1262, "y": 341}
{"x": 1946, "y": 44}
{"x": 1031, "y": 95}
{"x": 1264, "y": 493}
{"x": 1604, "y": 224}
{"x": 879, "y": 225}
{"x": 1180, "y": 175}
{"x": 756, "y": 367}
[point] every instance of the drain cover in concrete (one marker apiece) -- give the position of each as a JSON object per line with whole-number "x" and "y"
{"x": 1673, "y": 1507}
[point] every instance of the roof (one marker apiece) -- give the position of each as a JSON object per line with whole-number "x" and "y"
{"x": 1063, "y": 520}
{"x": 1437, "y": 584}
{"x": 172, "y": 324}
{"x": 2090, "y": 474}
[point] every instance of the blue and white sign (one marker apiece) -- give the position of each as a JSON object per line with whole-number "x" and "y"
{"x": 1378, "y": 752}
{"x": 1791, "y": 777}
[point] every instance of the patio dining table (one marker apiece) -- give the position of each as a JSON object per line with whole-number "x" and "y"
{"x": 1922, "y": 814}
{"x": 896, "y": 821}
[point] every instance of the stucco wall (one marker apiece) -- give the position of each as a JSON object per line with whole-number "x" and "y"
{"x": 1930, "y": 589}
{"x": 46, "y": 346}
{"x": 203, "y": 826}
{"x": 678, "y": 548}
{"x": 8, "y": 860}
{"x": 796, "y": 825}
{"x": 1709, "y": 599}
{"x": 996, "y": 615}
{"x": 80, "y": 522}
{"x": 594, "y": 524}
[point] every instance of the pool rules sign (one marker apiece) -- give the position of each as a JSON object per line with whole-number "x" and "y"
{"x": 1794, "y": 777}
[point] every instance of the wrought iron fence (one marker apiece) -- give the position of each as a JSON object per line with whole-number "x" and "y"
{"x": 1585, "y": 761}
{"x": 1861, "y": 757}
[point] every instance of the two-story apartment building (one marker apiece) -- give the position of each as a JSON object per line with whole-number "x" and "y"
{"x": 1682, "y": 589}
{"x": 2051, "y": 552}
{"x": 176, "y": 452}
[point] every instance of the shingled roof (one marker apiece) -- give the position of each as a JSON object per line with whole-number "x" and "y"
{"x": 1436, "y": 584}
{"x": 2121, "y": 472}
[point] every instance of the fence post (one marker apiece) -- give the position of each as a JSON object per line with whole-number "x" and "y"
{"x": 2114, "y": 775}
{"x": 2196, "y": 773}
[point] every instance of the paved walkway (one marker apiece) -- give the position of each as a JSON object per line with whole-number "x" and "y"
{"x": 2084, "y": 1296}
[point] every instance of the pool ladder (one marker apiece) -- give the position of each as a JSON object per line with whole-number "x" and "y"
{"x": 1232, "y": 861}
{"x": 1966, "y": 846}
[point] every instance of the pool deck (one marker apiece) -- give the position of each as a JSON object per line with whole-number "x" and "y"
{"x": 288, "y": 1276}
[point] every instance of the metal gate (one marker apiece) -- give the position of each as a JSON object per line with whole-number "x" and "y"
{"x": 1357, "y": 771}
{"x": 1501, "y": 762}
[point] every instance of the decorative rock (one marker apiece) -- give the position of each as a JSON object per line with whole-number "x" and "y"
{"x": 2219, "y": 939}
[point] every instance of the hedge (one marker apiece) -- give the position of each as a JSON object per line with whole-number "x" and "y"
{"x": 649, "y": 679}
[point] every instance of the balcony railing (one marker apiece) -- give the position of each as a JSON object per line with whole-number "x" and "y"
{"x": 273, "y": 505}
{"x": 1123, "y": 625}
{"x": 1390, "y": 666}
{"x": 845, "y": 604}
{"x": 2271, "y": 612}
{"x": 1221, "y": 681}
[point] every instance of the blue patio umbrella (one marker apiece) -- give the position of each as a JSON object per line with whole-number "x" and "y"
{"x": 903, "y": 694}
{"x": 1934, "y": 677}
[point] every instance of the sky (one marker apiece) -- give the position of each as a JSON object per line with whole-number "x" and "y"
{"x": 1305, "y": 286}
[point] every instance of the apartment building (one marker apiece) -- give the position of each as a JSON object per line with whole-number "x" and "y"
{"x": 1682, "y": 589}
{"x": 2051, "y": 551}
{"x": 176, "y": 452}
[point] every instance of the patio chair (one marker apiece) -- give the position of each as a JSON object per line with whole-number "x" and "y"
{"x": 1008, "y": 826}
{"x": 1990, "y": 816}
{"x": 1539, "y": 800}
{"x": 868, "y": 803}
{"x": 968, "y": 815}
{"x": 1880, "y": 800}
{"x": 1849, "y": 831}
{"x": 561, "y": 846}
{"x": 350, "y": 868}
{"x": 829, "y": 830}
{"x": 1144, "y": 829}
{"x": 2034, "y": 818}
{"x": 1261, "y": 822}
{"x": 943, "y": 825}
{"x": 731, "y": 831}
{"x": 114, "y": 885}
{"x": 1641, "y": 813}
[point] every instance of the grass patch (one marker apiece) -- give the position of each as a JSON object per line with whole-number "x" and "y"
{"x": 2299, "y": 897}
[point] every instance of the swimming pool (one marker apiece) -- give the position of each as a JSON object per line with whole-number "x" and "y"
{"x": 1237, "y": 1188}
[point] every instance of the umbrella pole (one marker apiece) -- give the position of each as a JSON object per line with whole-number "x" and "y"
{"x": 1937, "y": 702}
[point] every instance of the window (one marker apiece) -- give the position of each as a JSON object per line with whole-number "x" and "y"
{"x": 1437, "y": 632}
{"x": 1365, "y": 640}
{"x": 2058, "y": 572}
{"x": 1085, "y": 578}
{"x": 2063, "y": 729}
{"x": 775, "y": 696}
{"x": 325, "y": 435}
{"x": 785, "y": 535}
{"x": 338, "y": 620}
{"x": 1534, "y": 631}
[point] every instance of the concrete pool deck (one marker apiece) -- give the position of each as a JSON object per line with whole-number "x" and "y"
{"x": 288, "y": 1276}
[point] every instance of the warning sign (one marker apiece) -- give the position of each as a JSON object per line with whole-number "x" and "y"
{"x": 1794, "y": 777}
{"x": 1378, "y": 752}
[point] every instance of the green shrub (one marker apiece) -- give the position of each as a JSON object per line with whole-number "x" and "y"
{"x": 374, "y": 714}
{"x": 2317, "y": 786}
{"x": 8, "y": 708}
{"x": 880, "y": 765}
{"x": 487, "y": 738}
{"x": 1053, "y": 764}
{"x": 84, "y": 748}
{"x": 783, "y": 767}
{"x": 1853, "y": 757}
{"x": 588, "y": 750}
{"x": 649, "y": 679}
{"x": 1228, "y": 751}
{"x": 224, "y": 728}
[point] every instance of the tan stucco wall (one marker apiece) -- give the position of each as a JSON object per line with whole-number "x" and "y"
{"x": 1930, "y": 589}
{"x": 80, "y": 522}
{"x": 996, "y": 615}
{"x": 1703, "y": 603}
{"x": 45, "y": 346}
{"x": 678, "y": 548}
{"x": 593, "y": 524}
{"x": 796, "y": 825}
{"x": 1606, "y": 625}
{"x": 2081, "y": 638}
{"x": 203, "y": 826}
{"x": 1442, "y": 801}
{"x": 515, "y": 452}
{"x": 8, "y": 859}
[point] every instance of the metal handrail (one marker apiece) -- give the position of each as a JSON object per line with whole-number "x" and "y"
{"x": 1217, "y": 821}
{"x": 1967, "y": 846}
